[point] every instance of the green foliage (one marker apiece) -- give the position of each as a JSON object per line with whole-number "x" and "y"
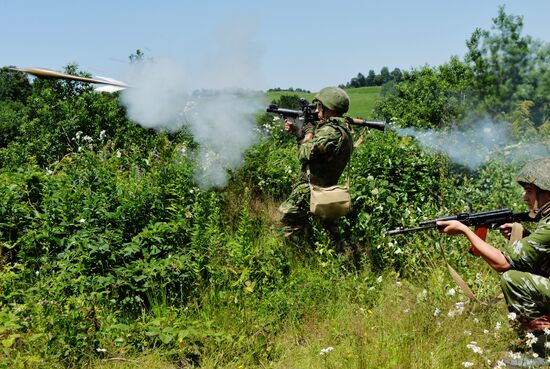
{"x": 429, "y": 97}
{"x": 9, "y": 122}
{"x": 509, "y": 67}
{"x": 14, "y": 86}
{"x": 394, "y": 181}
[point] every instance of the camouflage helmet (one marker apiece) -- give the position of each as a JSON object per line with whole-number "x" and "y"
{"x": 536, "y": 172}
{"x": 333, "y": 98}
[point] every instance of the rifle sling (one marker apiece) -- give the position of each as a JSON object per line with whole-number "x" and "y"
{"x": 456, "y": 277}
{"x": 517, "y": 234}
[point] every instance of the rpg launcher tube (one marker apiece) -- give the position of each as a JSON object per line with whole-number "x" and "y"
{"x": 375, "y": 124}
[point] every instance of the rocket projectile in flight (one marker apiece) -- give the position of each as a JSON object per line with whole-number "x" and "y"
{"x": 112, "y": 85}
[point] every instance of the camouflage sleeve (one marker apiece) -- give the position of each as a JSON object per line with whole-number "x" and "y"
{"x": 529, "y": 253}
{"x": 325, "y": 142}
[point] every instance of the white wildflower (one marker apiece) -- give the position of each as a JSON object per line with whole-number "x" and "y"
{"x": 468, "y": 333}
{"x": 326, "y": 350}
{"x": 101, "y": 349}
{"x": 546, "y": 331}
{"x": 467, "y": 364}
{"x": 512, "y": 316}
{"x": 500, "y": 364}
{"x": 515, "y": 355}
{"x": 102, "y": 134}
{"x": 437, "y": 312}
{"x": 379, "y": 279}
{"x": 547, "y": 344}
{"x": 497, "y": 326}
{"x": 451, "y": 292}
{"x": 82, "y": 220}
{"x": 530, "y": 339}
{"x": 118, "y": 154}
{"x": 474, "y": 347}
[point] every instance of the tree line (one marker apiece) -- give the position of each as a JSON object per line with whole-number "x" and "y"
{"x": 373, "y": 79}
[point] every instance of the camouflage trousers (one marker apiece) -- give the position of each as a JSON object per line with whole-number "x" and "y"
{"x": 294, "y": 216}
{"x": 526, "y": 294}
{"x": 294, "y": 211}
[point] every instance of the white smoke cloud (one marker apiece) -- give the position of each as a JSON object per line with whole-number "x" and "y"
{"x": 473, "y": 146}
{"x": 215, "y": 100}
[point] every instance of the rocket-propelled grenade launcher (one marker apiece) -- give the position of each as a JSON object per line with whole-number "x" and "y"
{"x": 307, "y": 114}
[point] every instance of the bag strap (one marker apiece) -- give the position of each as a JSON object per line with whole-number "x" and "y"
{"x": 348, "y": 165}
{"x": 462, "y": 284}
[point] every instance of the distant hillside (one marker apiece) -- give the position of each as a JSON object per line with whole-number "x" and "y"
{"x": 363, "y": 99}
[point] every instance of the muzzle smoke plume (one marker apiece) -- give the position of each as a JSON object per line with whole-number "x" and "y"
{"x": 475, "y": 145}
{"x": 216, "y": 104}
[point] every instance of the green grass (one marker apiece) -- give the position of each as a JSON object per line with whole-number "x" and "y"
{"x": 363, "y": 99}
{"x": 353, "y": 322}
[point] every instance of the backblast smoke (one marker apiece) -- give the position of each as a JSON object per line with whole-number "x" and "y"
{"x": 217, "y": 105}
{"x": 474, "y": 145}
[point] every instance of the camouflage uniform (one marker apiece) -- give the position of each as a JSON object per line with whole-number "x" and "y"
{"x": 526, "y": 286}
{"x": 327, "y": 154}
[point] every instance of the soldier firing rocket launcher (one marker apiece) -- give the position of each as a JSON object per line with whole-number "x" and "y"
{"x": 308, "y": 114}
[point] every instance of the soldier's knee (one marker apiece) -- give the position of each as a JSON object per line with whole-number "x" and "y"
{"x": 508, "y": 278}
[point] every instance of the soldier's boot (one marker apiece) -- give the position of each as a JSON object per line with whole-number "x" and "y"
{"x": 539, "y": 347}
{"x": 526, "y": 361}
{"x": 335, "y": 240}
{"x": 295, "y": 234}
{"x": 538, "y": 327}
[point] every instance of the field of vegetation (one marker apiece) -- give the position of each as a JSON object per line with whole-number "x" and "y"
{"x": 113, "y": 256}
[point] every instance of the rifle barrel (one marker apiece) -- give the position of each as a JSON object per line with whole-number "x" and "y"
{"x": 402, "y": 230}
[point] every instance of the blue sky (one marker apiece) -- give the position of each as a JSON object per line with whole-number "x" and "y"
{"x": 263, "y": 44}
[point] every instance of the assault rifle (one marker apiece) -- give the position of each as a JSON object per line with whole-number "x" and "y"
{"x": 485, "y": 219}
{"x": 308, "y": 114}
